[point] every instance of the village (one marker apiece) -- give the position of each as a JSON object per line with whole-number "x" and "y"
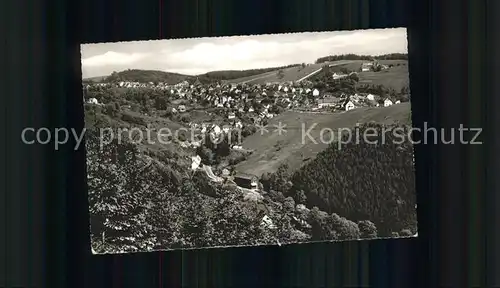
{"x": 256, "y": 101}
{"x": 238, "y": 105}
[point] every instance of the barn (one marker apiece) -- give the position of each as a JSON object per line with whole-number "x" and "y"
{"x": 246, "y": 180}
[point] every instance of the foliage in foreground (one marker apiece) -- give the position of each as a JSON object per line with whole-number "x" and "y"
{"x": 361, "y": 181}
{"x": 138, "y": 203}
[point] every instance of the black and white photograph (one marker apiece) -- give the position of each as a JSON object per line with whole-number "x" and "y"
{"x": 248, "y": 140}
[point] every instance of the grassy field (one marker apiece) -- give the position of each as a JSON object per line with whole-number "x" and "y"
{"x": 271, "y": 149}
{"x": 289, "y": 74}
{"x": 396, "y": 77}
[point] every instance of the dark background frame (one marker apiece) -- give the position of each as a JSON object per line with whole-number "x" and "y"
{"x": 46, "y": 204}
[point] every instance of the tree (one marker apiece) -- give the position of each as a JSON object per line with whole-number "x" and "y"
{"x": 248, "y": 130}
{"x": 354, "y": 76}
{"x": 319, "y": 229}
{"x": 376, "y": 67}
{"x": 367, "y": 229}
{"x": 161, "y": 103}
{"x": 207, "y": 156}
{"x": 116, "y": 178}
{"x": 276, "y": 196}
{"x": 345, "y": 229}
{"x": 405, "y": 233}
{"x": 280, "y": 74}
{"x": 344, "y": 70}
{"x": 300, "y": 197}
{"x": 289, "y": 204}
{"x": 265, "y": 179}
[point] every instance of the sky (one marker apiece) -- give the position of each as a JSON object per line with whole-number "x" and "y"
{"x": 193, "y": 56}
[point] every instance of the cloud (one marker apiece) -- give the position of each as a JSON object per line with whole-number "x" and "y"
{"x": 113, "y": 58}
{"x": 197, "y": 56}
{"x": 252, "y": 53}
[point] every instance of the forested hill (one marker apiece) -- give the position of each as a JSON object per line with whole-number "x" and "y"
{"x": 361, "y": 180}
{"x": 234, "y": 74}
{"x": 146, "y": 76}
{"x": 393, "y": 56}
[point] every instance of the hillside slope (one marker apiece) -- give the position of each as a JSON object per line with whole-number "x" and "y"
{"x": 144, "y": 76}
{"x": 271, "y": 149}
{"x": 289, "y": 74}
{"x": 365, "y": 181}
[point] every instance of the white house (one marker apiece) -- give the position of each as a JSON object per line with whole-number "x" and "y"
{"x": 366, "y": 66}
{"x": 315, "y": 92}
{"x": 196, "y": 161}
{"x": 339, "y": 76}
{"x": 93, "y": 101}
{"x": 327, "y": 102}
{"x": 370, "y": 97}
{"x": 231, "y": 116}
{"x": 349, "y": 106}
{"x": 225, "y": 172}
{"x": 216, "y": 129}
{"x": 285, "y": 89}
{"x": 267, "y": 222}
{"x": 250, "y": 109}
{"x": 387, "y": 102}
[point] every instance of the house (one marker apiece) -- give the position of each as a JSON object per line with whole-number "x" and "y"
{"x": 387, "y": 102}
{"x": 195, "y": 162}
{"x": 250, "y": 109}
{"x": 397, "y": 102}
{"x": 93, "y": 101}
{"x": 182, "y": 108}
{"x": 339, "y": 76}
{"x": 315, "y": 92}
{"x": 349, "y": 106}
{"x": 301, "y": 207}
{"x": 216, "y": 129}
{"x": 372, "y": 103}
{"x": 267, "y": 222}
{"x": 231, "y": 116}
{"x": 366, "y": 66}
{"x": 225, "y": 172}
{"x": 327, "y": 102}
{"x": 370, "y": 97}
{"x": 246, "y": 181}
